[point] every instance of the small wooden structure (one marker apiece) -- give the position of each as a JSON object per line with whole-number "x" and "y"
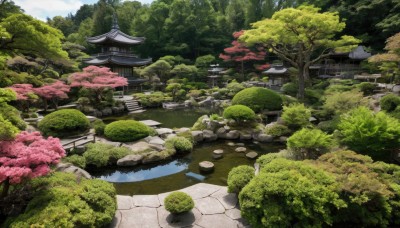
{"x": 214, "y": 75}
{"x": 367, "y": 77}
{"x": 277, "y": 74}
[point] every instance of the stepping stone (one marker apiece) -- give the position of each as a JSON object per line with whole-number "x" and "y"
{"x": 241, "y": 149}
{"x": 124, "y": 202}
{"x": 143, "y": 217}
{"x": 116, "y": 220}
{"x": 217, "y": 221}
{"x": 217, "y": 153}
{"x": 163, "y": 131}
{"x": 146, "y": 201}
{"x": 166, "y": 219}
{"x": 195, "y": 176}
{"x": 150, "y": 123}
{"x": 209, "y": 206}
{"x": 233, "y": 213}
{"x": 206, "y": 166}
{"x": 196, "y": 191}
{"x": 231, "y": 144}
{"x": 251, "y": 155}
{"x": 228, "y": 200}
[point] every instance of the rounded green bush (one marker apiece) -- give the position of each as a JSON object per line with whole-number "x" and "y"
{"x": 102, "y": 154}
{"x": 309, "y": 143}
{"x": 181, "y": 144}
{"x": 390, "y": 102}
{"x": 296, "y": 115}
{"x": 290, "y": 89}
{"x": 367, "y": 88}
{"x": 277, "y": 130}
{"x": 178, "y": 202}
{"x": 76, "y": 160}
{"x": 126, "y": 131}
{"x": 62, "y": 123}
{"x": 239, "y": 113}
{"x": 239, "y": 177}
{"x": 99, "y": 127}
{"x": 258, "y": 99}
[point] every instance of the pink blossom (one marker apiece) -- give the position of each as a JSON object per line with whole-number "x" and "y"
{"x": 22, "y": 90}
{"x": 29, "y": 155}
{"x": 57, "y": 89}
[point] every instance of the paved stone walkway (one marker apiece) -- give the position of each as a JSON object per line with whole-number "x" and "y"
{"x": 214, "y": 207}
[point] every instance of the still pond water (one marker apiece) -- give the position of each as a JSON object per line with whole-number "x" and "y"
{"x": 171, "y": 175}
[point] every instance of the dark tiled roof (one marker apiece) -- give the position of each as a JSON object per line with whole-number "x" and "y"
{"x": 119, "y": 60}
{"x": 115, "y": 36}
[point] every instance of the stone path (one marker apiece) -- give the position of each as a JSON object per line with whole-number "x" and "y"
{"x": 214, "y": 208}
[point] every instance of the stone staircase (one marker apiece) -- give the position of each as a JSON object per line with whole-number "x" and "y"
{"x": 133, "y": 106}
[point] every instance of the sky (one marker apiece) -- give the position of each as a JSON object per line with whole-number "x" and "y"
{"x": 41, "y": 9}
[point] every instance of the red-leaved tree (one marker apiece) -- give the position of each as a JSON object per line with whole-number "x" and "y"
{"x": 241, "y": 54}
{"x": 97, "y": 80}
{"x": 25, "y": 95}
{"x": 53, "y": 92}
{"x": 29, "y": 155}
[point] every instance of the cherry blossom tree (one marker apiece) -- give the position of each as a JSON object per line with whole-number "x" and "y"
{"x": 53, "y": 92}
{"x": 28, "y": 156}
{"x": 25, "y": 95}
{"x": 239, "y": 52}
{"x": 97, "y": 80}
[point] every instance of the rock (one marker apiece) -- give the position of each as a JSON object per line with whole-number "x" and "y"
{"x": 153, "y": 157}
{"x": 137, "y": 147}
{"x": 221, "y": 131}
{"x": 241, "y": 149}
{"x": 212, "y": 125}
{"x": 206, "y": 166}
{"x": 251, "y": 155}
{"x": 209, "y": 136}
{"x": 234, "y": 134}
{"x": 245, "y": 136}
{"x": 170, "y": 136}
{"x": 231, "y": 144}
{"x": 130, "y": 160}
{"x": 79, "y": 149}
{"x": 207, "y": 102}
{"x": 264, "y": 138}
{"x": 69, "y": 168}
{"x": 97, "y": 113}
{"x": 154, "y": 140}
{"x": 217, "y": 153}
{"x": 163, "y": 131}
{"x": 183, "y": 129}
{"x": 283, "y": 139}
{"x": 197, "y": 136}
{"x": 106, "y": 112}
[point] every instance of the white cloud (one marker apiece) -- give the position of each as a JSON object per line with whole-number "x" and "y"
{"x": 41, "y": 9}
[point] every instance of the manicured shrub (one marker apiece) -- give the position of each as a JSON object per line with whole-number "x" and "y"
{"x": 309, "y": 143}
{"x": 338, "y": 103}
{"x": 239, "y": 113}
{"x": 390, "y": 102}
{"x": 178, "y": 202}
{"x": 290, "y": 89}
{"x": 76, "y": 160}
{"x": 367, "y": 88}
{"x": 62, "y": 123}
{"x": 126, "y": 130}
{"x": 181, "y": 144}
{"x": 296, "y": 115}
{"x": 368, "y": 133}
{"x": 239, "y": 177}
{"x": 102, "y": 154}
{"x": 258, "y": 99}
{"x": 263, "y": 160}
{"x": 277, "y": 130}
{"x": 99, "y": 127}
{"x": 62, "y": 201}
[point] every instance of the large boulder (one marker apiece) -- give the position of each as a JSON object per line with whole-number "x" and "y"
{"x": 212, "y": 125}
{"x": 263, "y": 137}
{"x": 130, "y": 160}
{"x": 155, "y": 140}
{"x": 107, "y": 112}
{"x": 208, "y": 102}
{"x": 245, "y": 135}
{"x": 234, "y": 134}
{"x": 153, "y": 157}
{"x": 69, "y": 168}
{"x": 164, "y": 131}
{"x": 197, "y": 136}
{"x": 206, "y": 166}
{"x": 209, "y": 136}
{"x": 138, "y": 146}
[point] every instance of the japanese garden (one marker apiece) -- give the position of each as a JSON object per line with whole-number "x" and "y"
{"x": 201, "y": 113}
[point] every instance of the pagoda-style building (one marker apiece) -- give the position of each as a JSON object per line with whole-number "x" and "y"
{"x": 116, "y": 53}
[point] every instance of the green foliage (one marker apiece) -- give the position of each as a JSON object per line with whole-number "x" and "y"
{"x": 76, "y": 160}
{"x": 239, "y": 113}
{"x": 126, "y": 131}
{"x": 61, "y": 201}
{"x": 62, "y": 123}
{"x": 366, "y": 132}
{"x": 367, "y": 88}
{"x": 329, "y": 126}
{"x": 239, "y": 177}
{"x": 181, "y": 144}
{"x": 338, "y": 103}
{"x": 290, "y": 89}
{"x": 290, "y": 193}
{"x": 296, "y": 115}
{"x": 7, "y": 131}
{"x": 234, "y": 87}
{"x": 102, "y": 154}
{"x": 258, "y": 99}
{"x": 309, "y": 143}
{"x": 178, "y": 202}
{"x": 99, "y": 127}
{"x": 199, "y": 125}
{"x": 152, "y": 100}
{"x": 204, "y": 61}
{"x": 390, "y": 102}
{"x": 277, "y": 130}
{"x": 265, "y": 159}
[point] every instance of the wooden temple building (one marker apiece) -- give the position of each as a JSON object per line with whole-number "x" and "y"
{"x": 116, "y": 53}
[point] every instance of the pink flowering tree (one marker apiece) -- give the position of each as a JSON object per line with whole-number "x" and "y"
{"x": 240, "y": 53}
{"x": 25, "y": 95}
{"x": 53, "y": 92}
{"x": 27, "y": 156}
{"x": 97, "y": 80}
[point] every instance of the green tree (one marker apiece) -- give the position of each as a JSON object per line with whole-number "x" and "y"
{"x": 66, "y": 25}
{"x": 301, "y": 36}
{"x": 309, "y": 143}
{"x": 296, "y": 115}
{"x": 160, "y": 69}
{"x": 184, "y": 71}
{"x": 368, "y": 133}
{"x": 204, "y": 61}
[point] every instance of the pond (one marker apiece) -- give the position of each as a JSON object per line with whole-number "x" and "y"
{"x": 170, "y": 175}
{"x": 169, "y": 118}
